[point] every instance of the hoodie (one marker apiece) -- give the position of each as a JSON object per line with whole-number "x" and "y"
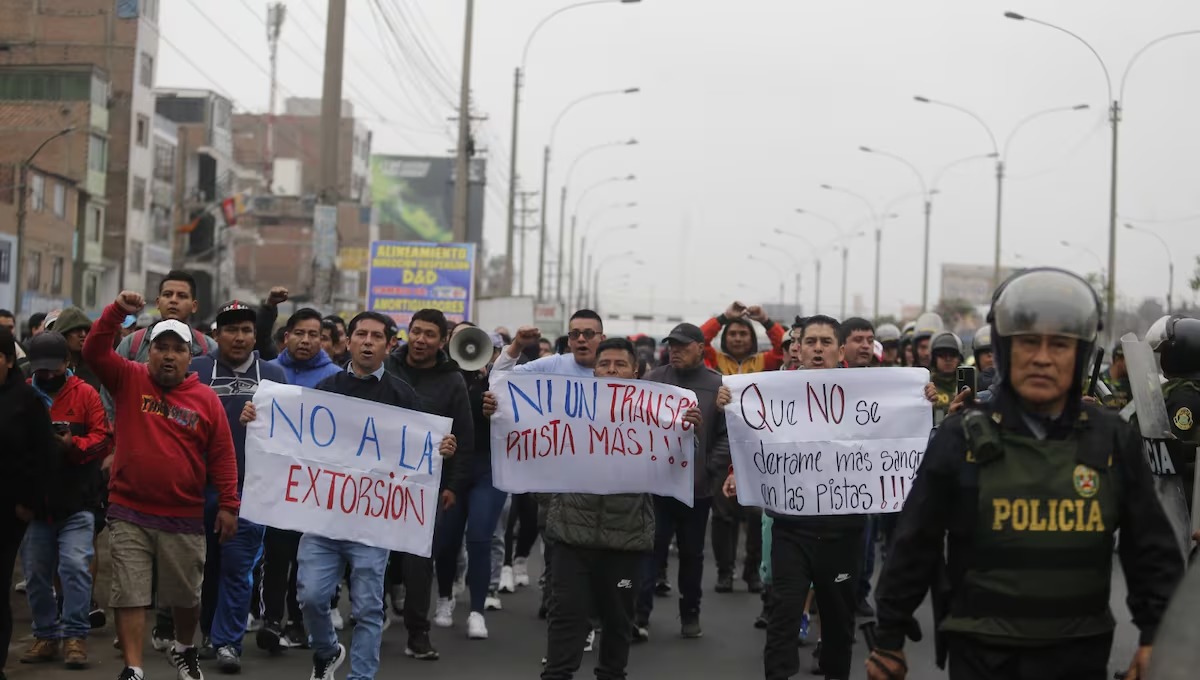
{"x": 74, "y": 483}
{"x": 306, "y": 373}
{"x": 712, "y": 439}
{"x": 29, "y": 446}
{"x": 71, "y": 319}
{"x": 235, "y": 386}
{"x": 171, "y": 443}
{"x": 443, "y": 393}
{"x": 723, "y": 363}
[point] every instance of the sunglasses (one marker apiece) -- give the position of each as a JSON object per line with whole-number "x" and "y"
{"x": 587, "y": 334}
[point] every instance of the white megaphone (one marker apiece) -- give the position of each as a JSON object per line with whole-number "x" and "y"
{"x": 471, "y": 348}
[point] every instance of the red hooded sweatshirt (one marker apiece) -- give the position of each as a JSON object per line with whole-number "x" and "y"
{"x": 170, "y": 443}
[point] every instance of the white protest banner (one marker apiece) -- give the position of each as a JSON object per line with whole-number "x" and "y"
{"x": 829, "y": 441}
{"x": 563, "y": 434}
{"x": 343, "y": 468}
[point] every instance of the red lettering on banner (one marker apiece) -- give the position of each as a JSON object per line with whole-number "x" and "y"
{"x": 312, "y": 487}
{"x": 287, "y": 494}
{"x": 332, "y": 486}
{"x": 553, "y": 439}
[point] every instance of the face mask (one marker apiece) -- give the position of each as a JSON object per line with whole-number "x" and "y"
{"x": 53, "y": 384}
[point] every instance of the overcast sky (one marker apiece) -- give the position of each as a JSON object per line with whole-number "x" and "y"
{"x": 747, "y": 107}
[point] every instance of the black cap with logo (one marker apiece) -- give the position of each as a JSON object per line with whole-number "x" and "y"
{"x": 235, "y": 311}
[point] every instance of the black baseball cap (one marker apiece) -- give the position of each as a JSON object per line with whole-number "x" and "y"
{"x": 235, "y": 311}
{"x": 686, "y": 333}
{"x": 47, "y": 351}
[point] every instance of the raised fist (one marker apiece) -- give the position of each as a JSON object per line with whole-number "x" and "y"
{"x": 736, "y": 310}
{"x": 277, "y": 296}
{"x": 757, "y": 313}
{"x": 130, "y": 302}
{"x": 527, "y": 336}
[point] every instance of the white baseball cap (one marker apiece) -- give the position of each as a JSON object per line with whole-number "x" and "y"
{"x": 179, "y": 328}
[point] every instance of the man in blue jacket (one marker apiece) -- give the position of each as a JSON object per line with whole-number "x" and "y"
{"x": 234, "y": 372}
{"x": 304, "y": 363}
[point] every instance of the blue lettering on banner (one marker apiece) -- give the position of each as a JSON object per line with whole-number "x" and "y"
{"x": 577, "y": 403}
{"x": 426, "y": 454}
{"x": 514, "y": 392}
{"x": 295, "y": 430}
{"x": 370, "y": 424}
{"x": 312, "y": 426}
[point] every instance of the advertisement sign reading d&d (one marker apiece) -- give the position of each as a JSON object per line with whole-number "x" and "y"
{"x": 407, "y": 276}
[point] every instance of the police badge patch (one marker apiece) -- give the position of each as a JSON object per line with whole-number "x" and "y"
{"x": 1183, "y": 419}
{"x": 1087, "y": 482}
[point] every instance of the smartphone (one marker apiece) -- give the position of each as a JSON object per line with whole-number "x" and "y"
{"x": 966, "y": 379}
{"x": 61, "y": 427}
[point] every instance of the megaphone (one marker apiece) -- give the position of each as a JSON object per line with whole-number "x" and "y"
{"x": 471, "y": 348}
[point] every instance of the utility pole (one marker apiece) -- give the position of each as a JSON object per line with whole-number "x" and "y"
{"x": 512, "y": 186}
{"x": 275, "y": 16}
{"x": 543, "y": 247}
{"x": 525, "y": 212}
{"x": 331, "y": 127}
{"x": 462, "y": 164}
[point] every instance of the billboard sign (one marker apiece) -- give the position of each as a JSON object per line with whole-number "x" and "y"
{"x": 407, "y": 276}
{"x": 414, "y": 198}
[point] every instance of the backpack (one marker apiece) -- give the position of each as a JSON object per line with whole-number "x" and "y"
{"x": 135, "y": 344}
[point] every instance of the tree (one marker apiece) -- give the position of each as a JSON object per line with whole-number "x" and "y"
{"x": 1194, "y": 284}
{"x": 953, "y": 311}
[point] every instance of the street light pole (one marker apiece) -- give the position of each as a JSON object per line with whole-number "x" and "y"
{"x": 563, "y": 202}
{"x": 878, "y": 235}
{"x": 817, "y": 258}
{"x": 518, "y": 84}
{"x": 22, "y": 200}
{"x": 575, "y": 288}
{"x": 928, "y": 198}
{"x": 778, "y": 273}
{"x": 1170, "y": 263}
{"x": 767, "y": 247}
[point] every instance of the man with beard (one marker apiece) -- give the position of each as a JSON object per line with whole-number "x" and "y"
{"x": 671, "y": 517}
{"x": 172, "y": 441}
{"x": 234, "y": 372}
{"x": 442, "y": 390}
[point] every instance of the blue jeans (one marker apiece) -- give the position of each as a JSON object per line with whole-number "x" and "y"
{"x": 228, "y": 579}
{"x": 321, "y": 562}
{"x": 66, "y": 545}
{"x": 478, "y": 513}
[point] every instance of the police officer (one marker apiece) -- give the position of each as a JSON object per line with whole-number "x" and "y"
{"x": 1116, "y": 378}
{"x": 981, "y": 348}
{"x": 906, "y": 344}
{"x": 1029, "y": 489}
{"x": 888, "y": 337}
{"x": 946, "y": 352}
{"x": 926, "y": 326}
{"x": 1176, "y": 340}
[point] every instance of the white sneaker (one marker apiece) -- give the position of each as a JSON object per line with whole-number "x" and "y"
{"x": 253, "y": 625}
{"x": 476, "y": 627}
{"x": 492, "y": 603}
{"x": 335, "y": 617}
{"x": 520, "y": 572}
{"x": 444, "y": 616}
{"x": 590, "y": 641}
{"x": 506, "y": 580}
{"x": 20, "y": 587}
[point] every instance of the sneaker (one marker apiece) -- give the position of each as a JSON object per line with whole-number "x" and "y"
{"x": 187, "y": 662}
{"x": 117, "y": 643}
{"x": 864, "y": 610}
{"x": 295, "y": 636}
{"x": 443, "y": 616}
{"x": 641, "y": 632}
{"x": 41, "y": 651}
{"x": 754, "y": 584}
{"x": 253, "y": 624}
{"x": 493, "y": 603}
{"x": 75, "y": 653}
{"x": 543, "y": 612}
{"x": 131, "y": 674}
{"x": 269, "y": 638}
{"x": 476, "y": 627}
{"x": 520, "y": 572}
{"x": 206, "y": 651}
{"x": 96, "y": 617}
{"x": 162, "y": 638}
{"x": 760, "y": 621}
{"x": 20, "y": 587}
{"x": 420, "y": 648}
{"x": 690, "y": 627}
{"x": 804, "y": 619}
{"x": 323, "y": 668}
{"x": 724, "y": 583}
{"x": 662, "y": 587}
{"x": 228, "y": 661}
{"x": 816, "y": 664}
{"x": 335, "y": 617}
{"x": 507, "y": 584}
{"x": 591, "y": 641}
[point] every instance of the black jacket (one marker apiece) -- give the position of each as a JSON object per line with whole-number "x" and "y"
{"x": 712, "y": 444}
{"x": 444, "y": 393}
{"x": 941, "y": 507}
{"x": 479, "y": 461}
{"x": 29, "y": 448}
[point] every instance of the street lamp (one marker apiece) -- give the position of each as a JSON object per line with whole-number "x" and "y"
{"x": 567, "y": 182}
{"x": 518, "y": 83}
{"x": 583, "y": 247}
{"x": 574, "y": 284}
{"x": 1170, "y": 262}
{"x": 767, "y": 247}
{"x": 928, "y": 198}
{"x": 778, "y": 272}
{"x": 600, "y": 267}
{"x": 937, "y": 177}
{"x": 583, "y": 196}
{"x": 878, "y": 236}
{"x": 22, "y": 192}
{"x": 816, "y": 258}
{"x": 1085, "y": 249}
{"x": 546, "y": 193}
{"x": 1114, "y": 117}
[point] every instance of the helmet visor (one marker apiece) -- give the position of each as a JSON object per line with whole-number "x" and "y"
{"x": 1047, "y": 303}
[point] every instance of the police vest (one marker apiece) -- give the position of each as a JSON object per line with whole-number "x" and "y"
{"x": 945, "y": 386}
{"x": 1039, "y": 561}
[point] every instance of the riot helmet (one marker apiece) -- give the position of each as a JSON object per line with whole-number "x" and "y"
{"x": 927, "y": 325}
{"x": 1176, "y": 339}
{"x": 982, "y": 342}
{"x": 1045, "y": 301}
{"x": 887, "y": 333}
{"x": 946, "y": 341}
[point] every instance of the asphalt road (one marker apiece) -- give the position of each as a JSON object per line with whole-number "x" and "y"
{"x": 731, "y": 646}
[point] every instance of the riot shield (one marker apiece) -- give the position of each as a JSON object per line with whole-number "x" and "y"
{"x": 1177, "y": 645}
{"x": 1146, "y": 388}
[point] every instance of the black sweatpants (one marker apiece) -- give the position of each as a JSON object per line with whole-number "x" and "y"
{"x": 831, "y": 564}
{"x": 727, "y": 518}
{"x": 12, "y": 530}
{"x": 416, "y": 574}
{"x": 519, "y": 542}
{"x": 1081, "y": 659}
{"x": 279, "y": 577}
{"x": 587, "y": 581}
